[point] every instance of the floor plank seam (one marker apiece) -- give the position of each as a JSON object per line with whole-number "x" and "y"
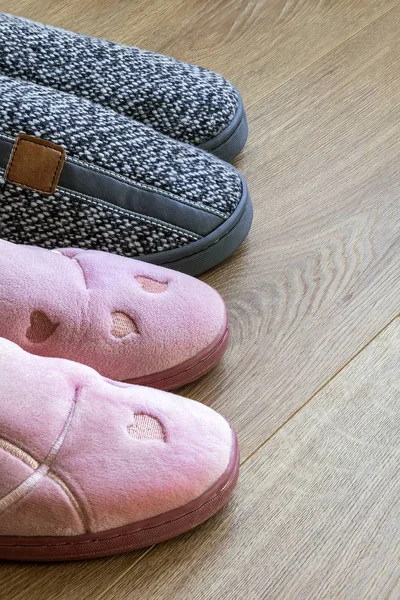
{"x": 323, "y": 386}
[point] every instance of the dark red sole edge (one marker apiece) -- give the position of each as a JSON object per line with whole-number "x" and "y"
{"x": 130, "y": 537}
{"x": 191, "y": 369}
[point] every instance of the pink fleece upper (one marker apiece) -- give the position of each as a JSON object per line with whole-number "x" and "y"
{"x": 174, "y": 316}
{"x": 71, "y": 458}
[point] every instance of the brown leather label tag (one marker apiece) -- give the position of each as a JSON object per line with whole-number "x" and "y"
{"x": 35, "y": 164}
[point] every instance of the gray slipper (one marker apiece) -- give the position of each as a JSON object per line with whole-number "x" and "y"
{"x": 88, "y": 177}
{"x": 183, "y": 101}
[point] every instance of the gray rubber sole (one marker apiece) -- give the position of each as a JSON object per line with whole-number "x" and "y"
{"x": 213, "y": 249}
{"x": 230, "y": 141}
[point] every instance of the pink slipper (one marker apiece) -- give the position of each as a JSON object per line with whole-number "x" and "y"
{"x": 90, "y": 467}
{"x": 129, "y": 320}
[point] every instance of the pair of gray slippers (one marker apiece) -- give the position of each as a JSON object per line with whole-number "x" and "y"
{"x": 113, "y": 148}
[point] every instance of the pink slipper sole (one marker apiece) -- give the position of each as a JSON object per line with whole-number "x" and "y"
{"x": 191, "y": 369}
{"x": 91, "y": 467}
{"x": 129, "y": 320}
{"x": 131, "y": 537}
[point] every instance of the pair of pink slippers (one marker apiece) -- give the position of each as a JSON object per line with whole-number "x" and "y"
{"x": 92, "y": 465}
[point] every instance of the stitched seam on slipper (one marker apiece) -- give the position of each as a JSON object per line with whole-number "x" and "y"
{"x": 133, "y": 183}
{"x": 76, "y": 261}
{"x": 43, "y": 470}
{"x": 29, "y": 461}
{"x": 148, "y": 187}
{"x": 23, "y": 456}
{"x": 117, "y": 209}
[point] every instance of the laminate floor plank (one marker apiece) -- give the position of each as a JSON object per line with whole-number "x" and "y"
{"x": 317, "y": 512}
{"x": 316, "y": 281}
{"x": 319, "y": 276}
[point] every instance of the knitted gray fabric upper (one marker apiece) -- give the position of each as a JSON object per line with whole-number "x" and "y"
{"x": 67, "y": 219}
{"x": 102, "y": 137}
{"x": 183, "y": 101}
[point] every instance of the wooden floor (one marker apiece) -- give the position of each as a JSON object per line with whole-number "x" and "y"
{"x": 311, "y": 380}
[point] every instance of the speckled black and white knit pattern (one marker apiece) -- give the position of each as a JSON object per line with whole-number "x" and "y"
{"x": 64, "y": 220}
{"x": 100, "y": 136}
{"x": 183, "y": 101}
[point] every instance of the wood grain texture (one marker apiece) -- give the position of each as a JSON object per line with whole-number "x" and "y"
{"x": 259, "y": 44}
{"x": 318, "y": 278}
{"x": 317, "y": 512}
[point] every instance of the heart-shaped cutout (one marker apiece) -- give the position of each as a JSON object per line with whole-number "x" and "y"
{"x": 122, "y": 325}
{"x": 151, "y": 285}
{"x": 146, "y": 427}
{"x": 41, "y": 327}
